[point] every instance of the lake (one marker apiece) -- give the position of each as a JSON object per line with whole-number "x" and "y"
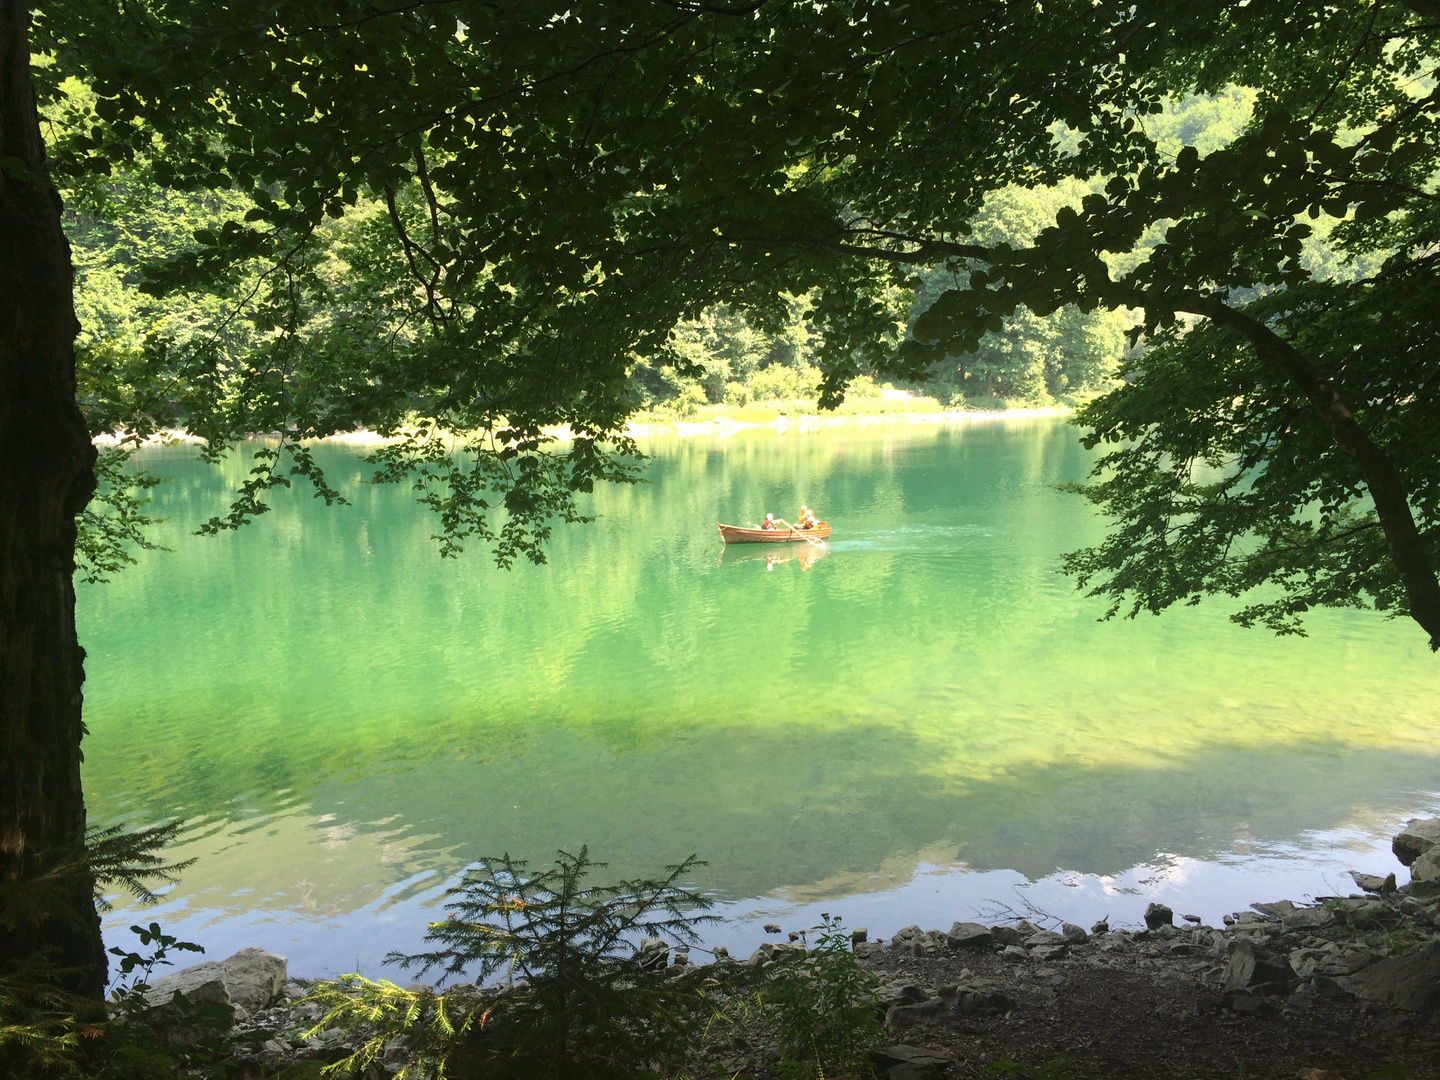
{"x": 925, "y": 724}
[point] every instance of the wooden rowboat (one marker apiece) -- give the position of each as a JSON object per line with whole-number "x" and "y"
{"x": 734, "y": 534}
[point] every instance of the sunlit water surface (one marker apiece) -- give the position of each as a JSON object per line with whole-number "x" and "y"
{"x": 925, "y": 724}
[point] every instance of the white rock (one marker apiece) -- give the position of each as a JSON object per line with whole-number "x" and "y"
{"x": 1418, "y": 837}
{"x": 254, "y": 977}
{"x": 1426, "y": 867}
{"x": 202, "y": 984}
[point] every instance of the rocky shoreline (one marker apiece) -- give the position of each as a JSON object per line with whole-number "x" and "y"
{"x": 1334, "y": 990}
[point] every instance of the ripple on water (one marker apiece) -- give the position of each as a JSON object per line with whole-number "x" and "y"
{"x": 922, "y": 718}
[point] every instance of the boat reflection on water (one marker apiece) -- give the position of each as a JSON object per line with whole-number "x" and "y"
{"x": 772, "y": 554}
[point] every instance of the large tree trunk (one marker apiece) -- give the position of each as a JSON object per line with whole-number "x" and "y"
{"x": 46, "y": 477}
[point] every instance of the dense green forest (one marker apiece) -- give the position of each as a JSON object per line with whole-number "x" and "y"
{"x": 716, "y": 364}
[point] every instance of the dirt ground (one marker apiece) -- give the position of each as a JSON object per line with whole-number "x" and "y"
{"x": 1135, "y": 1017}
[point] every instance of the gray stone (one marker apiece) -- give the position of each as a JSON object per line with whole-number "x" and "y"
{"x": 968, "y": 935}
{"x": 859, "y": 935}
{"x": 930, "y": 943}
{"x": 901, "y": 1017}
{"x": 1374, "y": 883}
{"x": 982, "y": 999}
{"x": 1409, "y": 982}
{"x": 1006, "y": 935}
{"x": 1249, "y": 1006}
{"x": 1075, "y": 935}
{"x": 1418, "y": 837}
{"x": 1044, "y": 937}
{"x": 272, "y": 1053}
{"x": 1102, "y": 926}
{"x": 1427, "y": 867}
{"x": 1027, "y": 928}
{"x": 202, "y": 984}
{"x": 916, "y": 1062}
{"x": 1158, "y": 915}
{"x": 655, "y": 952}
{"x": 1278, "y": 910}
{"x": 1362, "y": 911}
{"x": 254, "y": 978}
{"x": 907, "y": 1071}
{"x": 1015, "y": 952}
{"x": 902, "y": 994}
{"x": 1252, "y": 967}
{"x": 1330, "y": 962}
{"x": 869, "y": 950}
{"x": 774, "y": 950}
{"x": 1314, "y": 918}
{"x": 1049, "y": 952}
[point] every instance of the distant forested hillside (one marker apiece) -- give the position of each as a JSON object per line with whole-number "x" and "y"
{"x": 722, "y": 362}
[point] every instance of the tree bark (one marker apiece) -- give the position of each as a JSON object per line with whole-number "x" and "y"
{"x": 1386, "y": 485}
{"x": 46, "y": 477}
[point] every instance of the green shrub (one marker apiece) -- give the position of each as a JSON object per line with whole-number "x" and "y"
{"x": 823, "y": 1007}
{"x": 577, "y": 997}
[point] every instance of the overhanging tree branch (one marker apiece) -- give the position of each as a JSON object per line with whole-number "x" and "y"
{"x": 1386, "y": 485}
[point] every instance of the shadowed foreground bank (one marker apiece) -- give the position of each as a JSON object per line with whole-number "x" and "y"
{"x": 1346, "y": 988}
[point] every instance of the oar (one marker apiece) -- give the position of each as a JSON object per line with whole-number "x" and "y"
{"x": 809, "y": 540}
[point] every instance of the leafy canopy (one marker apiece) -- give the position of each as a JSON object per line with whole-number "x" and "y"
{"x": 471, "y": 218}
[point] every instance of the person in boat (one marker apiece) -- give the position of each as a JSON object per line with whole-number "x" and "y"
{"x": 807, "y": 518}
{"x": 769, "y": 522}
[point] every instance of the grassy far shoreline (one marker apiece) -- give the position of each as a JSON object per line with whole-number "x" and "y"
{"x": 780, "y": 416}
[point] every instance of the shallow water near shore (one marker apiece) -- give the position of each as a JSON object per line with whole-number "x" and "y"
{"x": 925, "y": 724}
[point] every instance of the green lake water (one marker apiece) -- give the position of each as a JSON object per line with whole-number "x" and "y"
{"x": 925, "y": 723}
